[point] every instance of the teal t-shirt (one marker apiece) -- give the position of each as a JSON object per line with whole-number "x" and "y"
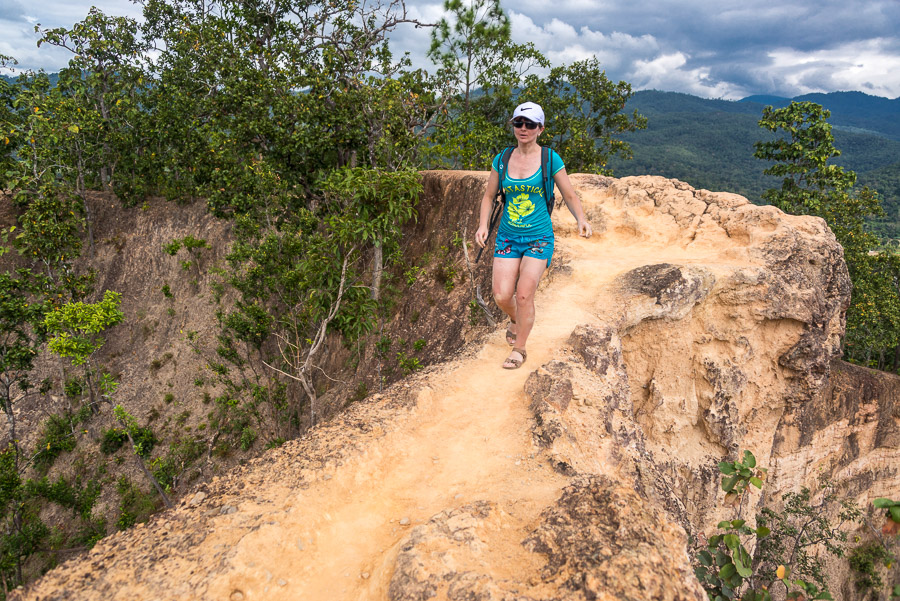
{"x": 526, "y": 209}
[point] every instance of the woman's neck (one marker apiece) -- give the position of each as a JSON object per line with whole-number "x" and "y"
{"x": 529, "y": 147}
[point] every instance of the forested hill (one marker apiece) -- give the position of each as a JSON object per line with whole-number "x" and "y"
{"x": 709, "y": 143}
{"x": 870, "y": 114}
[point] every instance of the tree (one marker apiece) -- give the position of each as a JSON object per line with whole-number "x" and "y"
{"x": 76, "y": 329}
{"x": 101, "y": 86}
{"x": 383, "y": 202}
{"x": 10, "y": 118}
{"x": 483, "y": 68}
{"x": 20, "y": 340}
{"x": 585, "y": 115}
{"x": 132, "y": 431}
{"x": 467, "y": 50}
{"x": 811, "y": 186}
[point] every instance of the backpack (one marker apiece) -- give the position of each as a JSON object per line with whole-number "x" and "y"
{"x": 546, "y": 176}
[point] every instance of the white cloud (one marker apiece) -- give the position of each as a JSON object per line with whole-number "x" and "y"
{"x": 869, "y": 66}
{"x": 562, "y": 43}
{"x": 669, "y": 72}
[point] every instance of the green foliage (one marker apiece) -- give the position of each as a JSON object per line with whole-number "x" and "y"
{"x": 476, "y": 56}
{"x": 746, "y": 563}
{"x": 867, "y": 562}
{"x": 361, "y": 392}
{"x": 248, "y": 437}
{"x": 725, "y": 566}
{"x": 142, "y": 438}
{"x": 383, "y": 346}
{"x": 76, "y": 326}
{"x": 738, "y": 474}
{"x": 80, "y": 499}
{"x": 275, "y": 443}
{"x": 135, "y": 505}
{"x": 468, "y": 45}
{"x": 802, "y": 530}
{"x": 812, "y": 186}
{"x": 169, "y": 468}
{"x": 23, "y": 531}
{"x": 73, "y": 387}
{"x": 412, "y": 274}
{"x": 408, "y": 364}
{"x": 20, "y": 319}
{"x": 381, "y": 201}
{"x": 59, "y": 436}
{"x": 27, "y": 545}
{"x": 892, "y": 509}
{"x": 112, "y": 441}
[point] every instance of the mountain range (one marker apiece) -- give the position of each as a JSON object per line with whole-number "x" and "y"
{"x": 708, "y": 143}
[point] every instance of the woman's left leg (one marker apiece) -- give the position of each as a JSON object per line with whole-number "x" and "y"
{"x": 530, "y": 271}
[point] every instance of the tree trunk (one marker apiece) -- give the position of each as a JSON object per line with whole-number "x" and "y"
{"x": 151, "y": 477}
{"x": 378, "y": 267}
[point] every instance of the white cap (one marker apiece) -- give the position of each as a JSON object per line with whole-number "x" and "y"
{"x": 530, "y": 111}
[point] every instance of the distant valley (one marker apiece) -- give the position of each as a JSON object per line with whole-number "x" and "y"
{"x": 709, "y": 143}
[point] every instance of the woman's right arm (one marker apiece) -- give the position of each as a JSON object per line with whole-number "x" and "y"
{"x": 487, "y": 201}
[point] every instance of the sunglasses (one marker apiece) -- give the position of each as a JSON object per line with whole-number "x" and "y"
{"x": 524, "y": 123}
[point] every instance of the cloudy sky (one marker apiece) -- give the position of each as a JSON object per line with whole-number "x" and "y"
{"x": 710, "y": 48}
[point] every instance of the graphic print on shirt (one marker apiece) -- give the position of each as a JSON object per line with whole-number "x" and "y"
{"x": 520, "y": 207}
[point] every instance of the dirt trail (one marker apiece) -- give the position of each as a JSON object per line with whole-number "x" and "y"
{"x": 468, "y": 439}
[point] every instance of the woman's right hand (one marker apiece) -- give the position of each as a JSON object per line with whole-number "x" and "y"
{"x": 481, "y": 236}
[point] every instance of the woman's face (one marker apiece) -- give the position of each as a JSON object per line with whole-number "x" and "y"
{"x": 522, "y": 133}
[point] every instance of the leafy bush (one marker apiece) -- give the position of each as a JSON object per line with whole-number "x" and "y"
{"x": 746, "y": 563}
{"x": 135, "y": 505}
{"x": 866, "y": 561}
{"x": 58, "y": 437}
{"x": 168, "y": 469}
{"x": 112, "y": 441}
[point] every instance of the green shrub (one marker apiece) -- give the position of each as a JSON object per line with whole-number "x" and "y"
{"x": 780, "y": 543}
{"x": 135, "y": 505}
{"x": 74, "y": 387}
{"x": 112, "y": 440}
{"x": 58, "y": 437}
{"x": 180, "y": 456}
{"x": 866, "y": 561}
{"x": 248, "y": 437}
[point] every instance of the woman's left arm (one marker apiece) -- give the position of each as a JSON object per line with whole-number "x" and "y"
{"x": 561, "y": 179}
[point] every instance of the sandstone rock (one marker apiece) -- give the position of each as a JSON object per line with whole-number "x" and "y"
{"x": 427, "y": 562}
{"x": 604, "y": 542}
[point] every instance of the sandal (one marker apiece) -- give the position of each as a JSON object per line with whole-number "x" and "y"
{"x": 510, "y": 335}
{"x": 516, "y": 363}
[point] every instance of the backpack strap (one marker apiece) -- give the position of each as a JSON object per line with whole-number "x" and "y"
{"x": 547, "y": 178}
{"x": 504, "y": 163}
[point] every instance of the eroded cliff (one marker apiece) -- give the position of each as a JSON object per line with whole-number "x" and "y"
{"x": 692, "y": 325}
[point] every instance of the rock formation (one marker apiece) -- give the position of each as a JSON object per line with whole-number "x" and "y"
{"x": 691, "y": 326}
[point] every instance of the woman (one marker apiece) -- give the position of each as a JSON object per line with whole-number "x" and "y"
{"x": 524, "y": 244}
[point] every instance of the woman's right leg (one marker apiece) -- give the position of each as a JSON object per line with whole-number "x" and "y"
{"x": 505, "y": 274}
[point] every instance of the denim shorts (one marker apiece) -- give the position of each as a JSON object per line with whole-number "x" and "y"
{"x": 516, "y": 247}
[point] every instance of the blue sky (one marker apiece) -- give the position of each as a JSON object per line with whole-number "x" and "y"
{"x": 710, "y": 48}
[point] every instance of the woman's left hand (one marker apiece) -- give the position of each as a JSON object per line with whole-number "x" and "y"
{"x": 584, "y": 229}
